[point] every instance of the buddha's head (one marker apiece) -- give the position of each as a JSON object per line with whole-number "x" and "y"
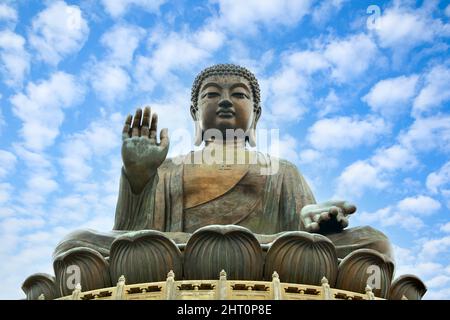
{"x": 225, "y": 97}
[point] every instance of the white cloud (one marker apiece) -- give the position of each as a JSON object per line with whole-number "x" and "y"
{"x": 445, "y": 227}
{"x": 173, "y": 113}
{"x": 426, "y": 269}
{"x": 436, "y": 180}
{"x": 318, "y": 161}
{"x": 307, "y": 61}
{"x": 309, "y": 156}
{"x": 326, "y": 9}
{"x": 447, "y": 11}
{"x": 122, "y": 41}
{"x": 7, "y": 13}
{"x": 421, "y": 205}
{"x": 345, "y": 132}
{"x": 248, "y": 15}
{"x": 101, "y": 137}
{"x": 393, "y": 158}
{"x": 45, "y": 184}
{"x": 5, "y": 192}
{"x": 402, "y": 255}
{"x": 15, "y": 61}
{"x": 118, "y": 8}
{"x": 39, "y": 184}
{"x": 286, "y": 95}
{"x": 28, "y": 249}
{"x": 2, "y": 121}
{"x": 287, "y": 148}
{"x": 41, "y": 108}
{"x": 350, "y": 57}
{"x": 357, "y": 177}
{"x": 16, "y": 224}
{"x": 427, "y": 134}
{"x": 58, "y": 31}
{"x": 109, "y": 82}
{"x": 406, "y": 213}
{"x": 197, "y": 47}
{"x": 433, "y": 247}
{"x": 435, "y": 91}
{"x": 166, "y": 55}
{"x": 330, "y": 104}
{"x": 401, "y": 28}
{"x": 379, "y": 169}
{"x": 391, "y": 96}
{"x": 434, "y": 275}
{"x": 8, "y": 162}
{"x": 443, "y": 294}
{"x": 32, "y": 159}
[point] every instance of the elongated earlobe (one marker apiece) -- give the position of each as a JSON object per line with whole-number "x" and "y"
{"x": 198, "y": 130}
{"x": 251, "y": 133}
{"x": 251, "y": 137}
{"x": 198, "y": 134}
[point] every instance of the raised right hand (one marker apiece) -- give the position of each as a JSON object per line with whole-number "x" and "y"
{"x": 141, "y": 153}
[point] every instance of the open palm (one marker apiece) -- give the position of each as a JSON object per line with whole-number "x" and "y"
{"x": 141, "y": 153}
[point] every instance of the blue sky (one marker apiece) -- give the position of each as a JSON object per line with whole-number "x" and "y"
{"x": 362, "y": 102}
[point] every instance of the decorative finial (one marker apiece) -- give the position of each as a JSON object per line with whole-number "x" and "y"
{"x": 327, "y": 294}
{"x": 171, "y": 275}
{"x": 276, "y": 286}
{"x": 76, "y": 292}
{"x": 369, "y": 293}
{"x": 121, "y": 279}
{"x": 223, "y": 275}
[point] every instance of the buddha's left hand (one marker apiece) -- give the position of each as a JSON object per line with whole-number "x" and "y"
{"x": 326, "y": 217}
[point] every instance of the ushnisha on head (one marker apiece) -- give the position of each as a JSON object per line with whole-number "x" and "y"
{"x": 225, "y": 97}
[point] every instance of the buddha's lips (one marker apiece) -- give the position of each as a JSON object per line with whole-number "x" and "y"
{"x": 225, "y": 113}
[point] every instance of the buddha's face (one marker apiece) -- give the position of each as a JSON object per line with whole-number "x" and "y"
{"x": 226, "y": 102}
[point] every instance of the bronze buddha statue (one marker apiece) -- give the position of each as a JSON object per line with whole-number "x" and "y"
{"x": 221, "y": 207}
{"x": 180, "y": 195}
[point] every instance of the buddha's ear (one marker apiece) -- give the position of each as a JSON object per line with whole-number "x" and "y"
{"x": 193, "y": 112}
{"x": 198, "y": 130}
{"x": 252, "y": 130}
{"x": 257, "y": 115}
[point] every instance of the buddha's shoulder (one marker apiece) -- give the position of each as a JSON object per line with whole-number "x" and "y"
{"x": 283, "y": 165}
{"x": 260, "y": 159}
{"x": 267, "y": 158}
{"x": 172, "y": 163}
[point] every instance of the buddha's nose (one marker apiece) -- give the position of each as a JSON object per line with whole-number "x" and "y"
{"x": 225, "y": 102}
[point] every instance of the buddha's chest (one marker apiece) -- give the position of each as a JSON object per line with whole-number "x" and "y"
{"x": 203, "y": 183}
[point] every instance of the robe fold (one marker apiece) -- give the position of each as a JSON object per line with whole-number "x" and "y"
{"x": 265, "y": 204}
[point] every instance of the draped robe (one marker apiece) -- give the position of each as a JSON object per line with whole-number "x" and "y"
{"x": 181, "y": 198}
{"x": 266, "y": 204}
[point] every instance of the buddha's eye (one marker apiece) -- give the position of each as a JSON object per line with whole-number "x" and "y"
{"x": 211, "y": 95}
{"x": 240, "y": 95}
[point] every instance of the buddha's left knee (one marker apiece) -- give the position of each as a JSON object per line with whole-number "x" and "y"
{"x": 364, "y": 237}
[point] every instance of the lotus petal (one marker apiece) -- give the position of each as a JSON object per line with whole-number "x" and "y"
{"x": 302, "y": 257}
{"x": 223, "y": 247}
{"x": 40, "y": 283}
{"x": 408, "y": 286}
{"x": 366, "y": 267}
{"x": 84, "y": 265}
{"x": 144, "y": 256}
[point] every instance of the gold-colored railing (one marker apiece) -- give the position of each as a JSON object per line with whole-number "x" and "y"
{"x": 221, "y": 289}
